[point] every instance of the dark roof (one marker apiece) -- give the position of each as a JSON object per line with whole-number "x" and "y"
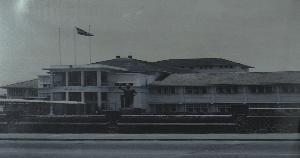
{"x": 134, "y": 65}
{"x": 25, "y": 84}
{"x": 246, "y": 78}
{"x": 200, "y": 62}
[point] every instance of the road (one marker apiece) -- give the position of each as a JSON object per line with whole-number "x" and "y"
{"x": 150, "y": 148}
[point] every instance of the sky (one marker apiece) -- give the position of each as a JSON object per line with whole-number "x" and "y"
{"x": 259, "y": 33}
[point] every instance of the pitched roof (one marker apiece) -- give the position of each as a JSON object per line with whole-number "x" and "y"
{"x": 249, "y": 78}
{"x": 135, "y": 65}
{"x": 25, "y": 84}
{"x": 200, "y": 62}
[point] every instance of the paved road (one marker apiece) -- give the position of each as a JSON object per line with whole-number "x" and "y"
{"x": 150, "y": 148}
{"x": 181, "y": 137}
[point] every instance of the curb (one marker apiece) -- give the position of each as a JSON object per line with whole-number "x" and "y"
{"x": 37, "y": 139}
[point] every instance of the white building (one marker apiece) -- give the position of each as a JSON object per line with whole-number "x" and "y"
{"x": 221, "y": 92}
{"x": 175, "y": 85}
{"x": 97, "y": 84}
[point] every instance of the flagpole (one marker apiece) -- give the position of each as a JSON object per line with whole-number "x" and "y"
{"x": 59, "y": 46}
{"x": 90, "y": 44}
{"x": 75, "y": 46}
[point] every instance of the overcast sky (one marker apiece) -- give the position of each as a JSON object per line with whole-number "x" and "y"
{"x": 260, "y": 33}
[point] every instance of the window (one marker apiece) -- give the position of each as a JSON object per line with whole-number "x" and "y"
{"x": 59, "y": 79}
{"x": 59, "y": 96}
{"x": 189, "y": 90}
{"x": 203, "y": 90}
{"x": 235, "y": 89}
{"x": 196, "y": 90}
{"x": 104, "y": 78}
{"x": 159, "y": 90}
{"x": 16, "y": 92}
{"x": 290, "y": 89}
{"x": 75, "y": 96}
{"x": 227, "y": 89}
{"x": 172, "y": 90}
{"x": 297, "y": 89}
{"x": 195, "y": 108}
{"x": 261, "y": 89}
{"x": 74, "y": 78}
{"x": 164, "y": 90}
{"x": 90, "y": 78}
{"x": 45, "y": 85}
{"x": 224, "y": 108}
{"x": 33, "y": 93}
{"x": 46, "y": 96}
{"x": 124, "y": 84}
{"x": 166, "y": 108}
{"x": 268, "y": 89}
{"x": 220, "y": 89}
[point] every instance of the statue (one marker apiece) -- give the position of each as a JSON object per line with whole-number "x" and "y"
{"x": 128, "y": 95}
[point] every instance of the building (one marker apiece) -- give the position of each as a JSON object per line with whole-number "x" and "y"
{"x": 97, "y": 84}
{"x": 22, "y": 90}
{"x": 43, "y": 85}
{"x": 221, "y": 92}
{"x": 209, "y": 85}
{"x": 36, "y": 89}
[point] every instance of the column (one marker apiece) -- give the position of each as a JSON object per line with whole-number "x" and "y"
{"x": 82, "y": 78}
{"x": 67, "y": 96}
{"x": 213, "y": 94}
{"x": 245, "y": 94}
{"x": 67, "y": 78}
{"x": 99, "y": 78}
{"x": 277, "y": 88}
{"x": 82, "y": 97}
{"x": 99, "y": 99}
{"x": 51, "y": 96}
{"x": 51, "y": 78}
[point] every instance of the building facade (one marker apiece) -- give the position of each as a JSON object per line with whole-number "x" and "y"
{"x": 171, "y": 86}
{"x": 97, "y": 84}
{"x": 222, "y": 92}
{"x": 22, "y": 90}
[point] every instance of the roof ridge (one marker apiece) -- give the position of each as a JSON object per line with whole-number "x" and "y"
{"x": 21, "y": 82}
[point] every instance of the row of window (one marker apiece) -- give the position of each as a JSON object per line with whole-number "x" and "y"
{"x": 16, "y": 92}
{"x": 22, "y": 92}
{"x": 123, "y": 84}
{"x": 191, "y": 108}
{"x": 76, "y": 96}
{"x": 196, "y": 108}
{"x": 271, "y": 108}
{"x": 226, "y": 89}
{"x": 74, "y": 79}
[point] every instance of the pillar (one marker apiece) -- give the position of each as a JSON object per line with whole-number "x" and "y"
{"x": 82, "y": 78}
{"x": 98, "y": 78}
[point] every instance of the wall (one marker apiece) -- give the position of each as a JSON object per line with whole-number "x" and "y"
{"x": 139, "y": 81}
{"x": 212, "y": 97}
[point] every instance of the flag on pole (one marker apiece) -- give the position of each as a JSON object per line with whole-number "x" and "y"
{"x": 82, "y": 32}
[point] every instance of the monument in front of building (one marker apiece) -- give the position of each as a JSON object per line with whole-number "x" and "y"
{"x": 128, "y": 95}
